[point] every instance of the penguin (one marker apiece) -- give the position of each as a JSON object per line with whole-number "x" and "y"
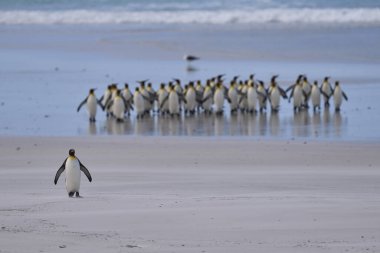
{"x": 233, "y": 97}
{"x": 144, "y": 92}
{"x": 106, "y": 96}
{"x": 152, "y": 95}
{"x": 138, "y": 100}
{"x": 243, "y": 103}
{"x": 316, "y": 96}
{"x": 199, "y": 89}
{"x": 275, "y": 92}
{"x": 251, "y": 98}
{"x": 112, "y": 94}
{"x": 218, "y": 99}
{"x": 338, "y": 94}
{"x": 207, "y": 98}
{"x": 262, "y": 96}
{"x": 91, "y": 103}
{"x": 128, "y": 97}
{"x": 306, "y": 88}
{"x": 72, "y": 167}
{"x": 298, "y": 96}
{"x": 174, "y": 102}
{"x": 326, "y": 90}
{"x": 118, "y": 105}
{"x": 296, "y": 93}
{"x": 162, "y": 95}
{"x": 190, "y": 97}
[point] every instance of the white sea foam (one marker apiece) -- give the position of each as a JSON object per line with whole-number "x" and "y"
{"x": 258, "y": 16}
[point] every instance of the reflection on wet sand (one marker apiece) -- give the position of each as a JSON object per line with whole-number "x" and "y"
{"x": 322, "y": 124}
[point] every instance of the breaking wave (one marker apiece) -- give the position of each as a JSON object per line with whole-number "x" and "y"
{"x": 220, "y": 17}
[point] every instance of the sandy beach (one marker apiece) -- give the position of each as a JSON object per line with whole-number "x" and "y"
{"x": 260, "y": 182}
{"x": 168, "y": 194}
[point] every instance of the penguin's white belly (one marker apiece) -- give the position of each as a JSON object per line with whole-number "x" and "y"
{"x": 208, "y": 103}
{"x": 147, "y": 105}
{"x": 139, "y": 104}
{"x": 261, "y": 98}
{"x": 161, "y": 98}
{"x": 297, "y": 97}
{"x": 190, "y": 99}
{"x": 173, "y": 103}
{"x": 105, "y": 96}
{"x": 73, "y": 174}
{"x": 275, "y": 99}
{"x": 326, "y": 90}
{"x": 218, "y": 100}
{"x": 232, "y": 94}
{"x": 127, "y": 95}
{"x": 315, "y": 96}
{"x": 338, "y": 98}
{"x": 118, "y": 108}
{"x": 251, "y": 99}
{"x": 91, "y": 106}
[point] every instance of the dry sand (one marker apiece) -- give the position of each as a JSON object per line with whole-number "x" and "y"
{"x": 190, "y": 195}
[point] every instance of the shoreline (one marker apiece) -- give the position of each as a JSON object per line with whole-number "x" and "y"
{"x": 47, "y": 72}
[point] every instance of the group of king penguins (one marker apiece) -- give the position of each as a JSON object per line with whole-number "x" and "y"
{"x": 246, "y": 96}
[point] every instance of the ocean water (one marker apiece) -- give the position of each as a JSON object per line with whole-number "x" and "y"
{"x": 251, "y": 12}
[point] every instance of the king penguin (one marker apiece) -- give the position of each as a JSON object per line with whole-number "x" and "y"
{"x": 338, "y": 94}
{"x": 72, "y": 166}
{"x": 138, "y": 99}
{"x": 251, "y": 97}
{"x": 326, "y": 90}
{"x": 275, "y": 92}
{"x": 218, "y": 99}
{"x": 174, "y": 102}
{"x": 316, "y": 96}
{"x": 207, "y": 98}
{"x": 91, "y": 101}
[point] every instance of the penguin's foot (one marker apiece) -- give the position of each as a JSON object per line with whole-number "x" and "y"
{"x": 77, "y": 195}
{"x": 71, "y": 194}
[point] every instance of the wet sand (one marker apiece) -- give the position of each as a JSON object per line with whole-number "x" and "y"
{"x": 170, "y": 194}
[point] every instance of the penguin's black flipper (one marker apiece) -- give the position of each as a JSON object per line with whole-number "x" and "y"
{"x": 59, "y": 172}
{"x": 100, "y": 104}
{"x": 324, "y": 94}
{"x": 345, "y": 96}
{"x": 85, "y": 171}
{"x": 206, "y": 98}
{"x": 291, "y": 87}
{"x": 282, "y": 92}
{"x": 81, "y": 104}
{"x": 164, "y": 101}
{"x": 261, "y": 94}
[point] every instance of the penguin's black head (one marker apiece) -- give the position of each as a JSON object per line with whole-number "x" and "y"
{"x": 72, "y": 152}
{"x": 126, "y": 85}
